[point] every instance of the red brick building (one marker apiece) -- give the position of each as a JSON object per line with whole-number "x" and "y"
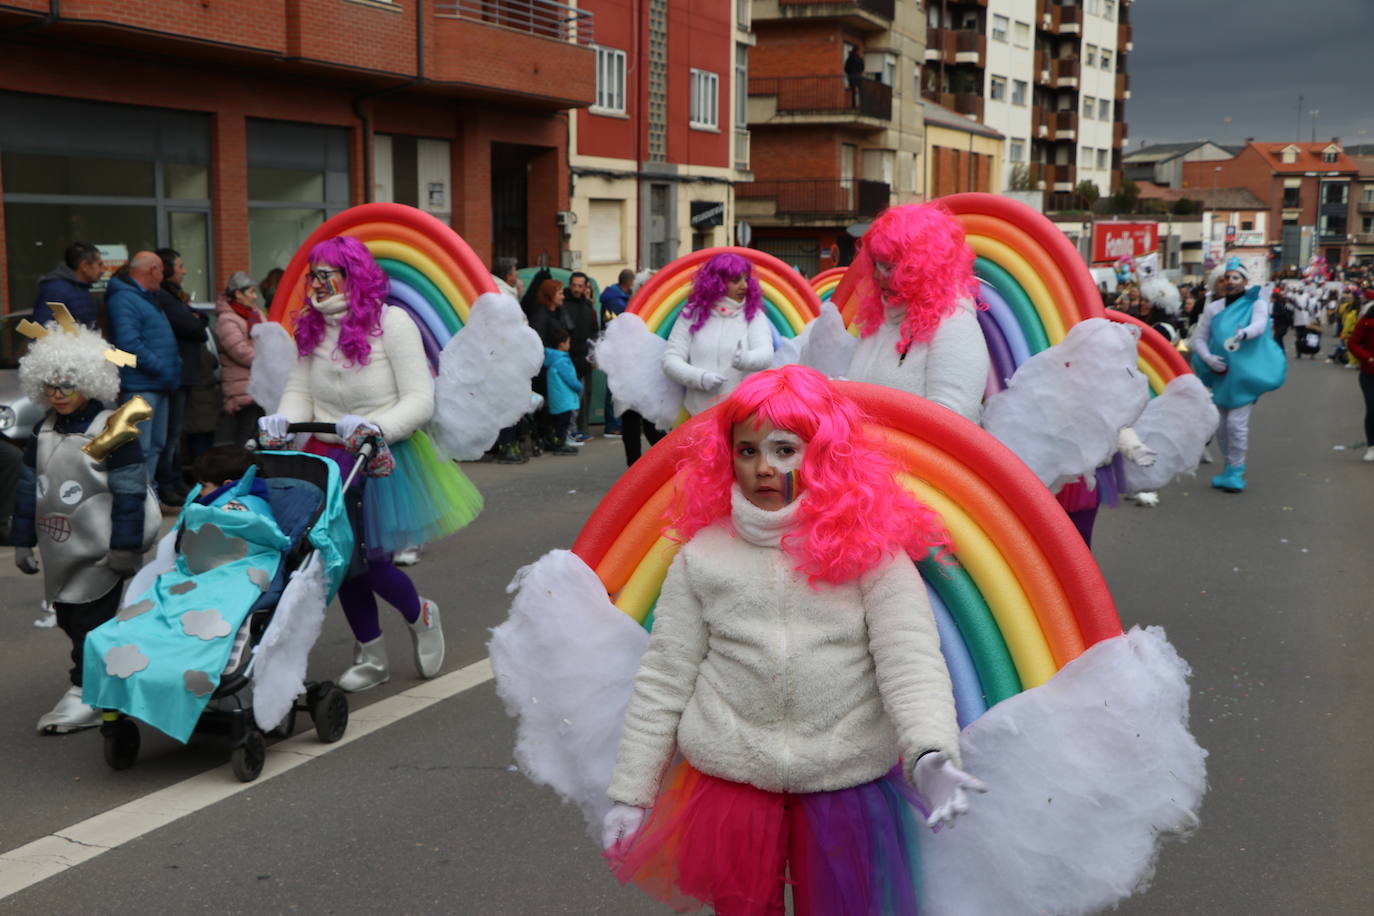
{"x": 1306, "y": 187}
{"x": 231, "y": 130}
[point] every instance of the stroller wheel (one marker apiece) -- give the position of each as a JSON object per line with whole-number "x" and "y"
{"x": 122, "y": 742}
{"x": 330, "y": 712}
{"x": 287, "y": 727}
{"x": 247, "y": 759}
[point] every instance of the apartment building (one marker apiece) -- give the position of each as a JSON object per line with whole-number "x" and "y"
{"x": 1308, "y": 189}
{"x": 1050, "y": 75}
{"x": 829, "y": 152}
{"x": 230, "y": 131}
{"x": 655, "y": 159}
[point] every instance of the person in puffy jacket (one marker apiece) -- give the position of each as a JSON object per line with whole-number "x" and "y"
{"x": 237, "y": 312}
{"x": 565, "y": 388}
{"x": 70, "y": 283}
{"x": 138, "y": 326}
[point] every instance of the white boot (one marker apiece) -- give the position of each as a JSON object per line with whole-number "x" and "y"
{"x": 428, "y": 638}
{"x": 1368, "y": 454}
{"x": 369, "y": 669}
{"x": 69, "y": 715}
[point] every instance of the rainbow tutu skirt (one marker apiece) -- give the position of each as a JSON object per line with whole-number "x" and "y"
{"x": 425, "y": 498}
{"x": 849, "y": 852}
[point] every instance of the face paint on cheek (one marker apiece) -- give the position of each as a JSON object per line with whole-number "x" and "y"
{"x": 332, "y": 285}
{"x": 789, "y": 487}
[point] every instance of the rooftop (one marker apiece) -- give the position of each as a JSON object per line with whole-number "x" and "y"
{"x": 943, "y": 117}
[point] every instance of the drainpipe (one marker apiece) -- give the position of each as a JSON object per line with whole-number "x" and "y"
{"x": 369, "y": 185}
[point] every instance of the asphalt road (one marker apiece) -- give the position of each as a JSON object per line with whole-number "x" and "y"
{"x": 1267, "y": 594}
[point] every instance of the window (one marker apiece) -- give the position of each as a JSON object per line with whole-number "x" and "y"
{"x": 705, "y": 99}
{"x": 1109, "y": 10}
{"x": 742, "y": 87}
{"x": 998, "y": 92}
{"x": 1247, "y": 225}
{"x": 1085, "y": 157}
{"x": 610, "y": 81}
{"x": 297, "y": 178}
{"x": 1289, "y": 155}
{"x": 1090, "y": 56}
{"x": 1368, "y": 195}
{"x": 1102, "y": 159}
{"x": 1106, "y": 62}
{"x": 1018, "y": 92}
{"x": 1292, "y": 197}
{"x": 604, "y": 233}
{"x": 1017, "y": 150}
{"x": 1367, "y": 224}
{"x": 1092, "y": 6}
{"x": 1330, "y": 155}
{"x": 1334, "y": 192}
{"x": 1089, "y": 107}
{"x": 1021, "y": 34}
{"x": 1332, "y": 224}
{"x": 999, "y": 28}
{"x": 1104, "y": 109}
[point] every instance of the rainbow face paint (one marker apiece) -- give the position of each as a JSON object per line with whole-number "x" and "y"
{"x": 789, "y": 487}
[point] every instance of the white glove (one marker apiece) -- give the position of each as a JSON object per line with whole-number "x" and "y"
{"x": 710, "y": 381}
{"x": 620, "y": 825}
{"x": 347, "y": 425}
{"x": 1216, "y": 363}
{"x": 737, "y": 358}
{"x": 945, "y": 786}
{"x": 1137, "y": 452}
{"x": 274, "y": 425}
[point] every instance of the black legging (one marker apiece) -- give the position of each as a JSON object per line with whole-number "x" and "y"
{"x": 631, "y": 424}
{"x": 1367, "y": 389}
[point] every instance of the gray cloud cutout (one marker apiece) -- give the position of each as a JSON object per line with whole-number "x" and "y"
{"x": 125, "y": 660}
{"x": 182, "y": 588}
{"x": 197, "y": 682}
{"x": 209, "y": 548}
{"x": 130, "y": 611}
{"x": 207, "y": 624}
{"x": 260, "y": 578}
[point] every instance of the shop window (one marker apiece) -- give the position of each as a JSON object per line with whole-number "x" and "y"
{"x": 604, "y": 234}
{"x": 297, "y": 178}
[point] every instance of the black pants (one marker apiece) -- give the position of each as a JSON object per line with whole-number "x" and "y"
{"x": 561, "y": 424}
{"x": 1367, "y": 389}
{"x": 238, "y": 428}
{"x": 584, "y": 408}
{"x": 76, "y": 620}
{"x": 631, "y": 424}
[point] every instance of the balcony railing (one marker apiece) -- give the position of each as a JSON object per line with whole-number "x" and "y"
{"x": 1123, "y": 85}
{"x": 1364, "y": 238}
{"x": 1065, "y": 125}
{"x": 1118, "y": 133}
{"x": 1064, "y": 70}
{"x": 741, "y": 149}
{"x": 825, "y": 95}
{"x": 885, "y": 9}
{"x": 1042, "y": 68}
{"x": 538, "y": 17}
{"x": 956, "y": 46}
{"x": 820, "y": 197}
{"x": 1364, "y": 206}
{"x": 1066, "y": 19}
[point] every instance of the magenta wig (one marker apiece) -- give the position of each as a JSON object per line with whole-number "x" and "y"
{"x": 932, "y": 269}
{"x": 366, "y": 291}
{"x": 853, "y": 515}
{"x": 710, "y": 283}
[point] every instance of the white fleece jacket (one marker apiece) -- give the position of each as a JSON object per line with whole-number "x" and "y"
{"x": 690, "y": 356}
{"x": 950, "y": 369}
{"x": 394, "y": 390}
{"x": 758, "y": 678}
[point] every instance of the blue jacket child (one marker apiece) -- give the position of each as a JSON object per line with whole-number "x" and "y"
{"x": 565, "y": 390}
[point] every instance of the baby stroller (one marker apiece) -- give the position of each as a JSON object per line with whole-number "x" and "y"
{"x": 1309, "y": 341}
{"x": 306, "y": 496}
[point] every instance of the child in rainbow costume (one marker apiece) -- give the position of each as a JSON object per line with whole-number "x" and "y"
{"x": 1237, "y": 358}
{"x": 362, "y": 366}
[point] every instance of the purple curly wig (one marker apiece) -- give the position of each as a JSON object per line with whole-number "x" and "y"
{"x": 710, "y": 283}
{"x": 366, "y": 291}
{"x": 932, "y": 269}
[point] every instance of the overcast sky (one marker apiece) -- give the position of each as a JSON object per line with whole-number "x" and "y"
{"x": 1197, "y": 62}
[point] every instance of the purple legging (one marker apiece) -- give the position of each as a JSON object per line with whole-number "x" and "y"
{"x": 358, "y": 597}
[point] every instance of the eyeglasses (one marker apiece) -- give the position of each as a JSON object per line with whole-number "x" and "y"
{"x": 59, "y": 391}
{"x": 321, "y": 276}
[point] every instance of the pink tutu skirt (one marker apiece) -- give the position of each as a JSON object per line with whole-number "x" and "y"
{"x": 850, "y": 852}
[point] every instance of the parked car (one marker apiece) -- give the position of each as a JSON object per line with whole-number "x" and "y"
{"x": 18, "y": 414}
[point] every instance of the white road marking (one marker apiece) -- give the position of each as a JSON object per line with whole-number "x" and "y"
{"x": 53, "y": 854}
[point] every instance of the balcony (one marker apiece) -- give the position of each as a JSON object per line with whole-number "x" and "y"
{"x": 1060, "y": 177}
{"x": 1364, "y": 238}
{"x": 956, "y": 46}
{"x": 1041, "y": 68}
{"x": 1123, "y": 38}
{"x": 517, "y": 50}
{"x": 1064, "y": 20}
{"x": 813, "y": 198}
{"x": 1119, "y": 134}
{"x": 818, "y": 100}
{"x": 862, "y": 15}
{"x": 741, "y": 150}
{"x": 1063, "y": 125}
{"x": 1364, "y": 206}
{"x": 1064, "y": 72}
{"x": 1123, "y": 85}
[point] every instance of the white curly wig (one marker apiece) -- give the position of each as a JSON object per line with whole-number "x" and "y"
{"x": 1160, "y": 293}
{"x": 61, "y": 358}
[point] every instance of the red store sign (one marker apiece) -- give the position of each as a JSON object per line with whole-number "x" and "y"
{"x": 1112, "y": 241}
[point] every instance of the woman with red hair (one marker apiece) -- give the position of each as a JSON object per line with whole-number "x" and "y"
{"x": 361, "y": 366}
{"x": 793, "y": 660}
{"x": 917, "y": 328}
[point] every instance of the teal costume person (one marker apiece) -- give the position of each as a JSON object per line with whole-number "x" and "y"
{"x": 1236, "y": 357}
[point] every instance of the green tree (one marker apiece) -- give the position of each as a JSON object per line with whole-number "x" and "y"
{"x": 1087, "y": 194}
{"x": 1019, "y": 178}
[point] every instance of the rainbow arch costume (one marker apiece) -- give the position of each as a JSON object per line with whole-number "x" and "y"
{"x": 1029, "y": 631}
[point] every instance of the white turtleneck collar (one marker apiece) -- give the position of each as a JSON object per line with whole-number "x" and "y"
{"x": 727, "y": 307}
{"x": 331, "y": 307}
{"x": 760, "y": 527}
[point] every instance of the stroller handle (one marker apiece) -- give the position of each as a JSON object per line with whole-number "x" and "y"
{"x": 327, "y": 428}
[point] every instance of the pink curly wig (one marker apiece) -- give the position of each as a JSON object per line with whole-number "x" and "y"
{"x": 854, "y": 515}
{"x": 710, "y": 283}
{"x": 366, "y": 292}
{"x": 932, "y": 269}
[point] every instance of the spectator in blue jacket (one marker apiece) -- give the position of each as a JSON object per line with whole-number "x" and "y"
{"x": 139, "y": 327}
{"x": 70, "y": 284}
{"x": 565, "y": 389}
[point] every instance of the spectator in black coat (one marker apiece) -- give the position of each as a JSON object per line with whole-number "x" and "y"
{"x": 582, "y": 310}
{"x": 189, "y": 328}
{"x": 70, "y": 283}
